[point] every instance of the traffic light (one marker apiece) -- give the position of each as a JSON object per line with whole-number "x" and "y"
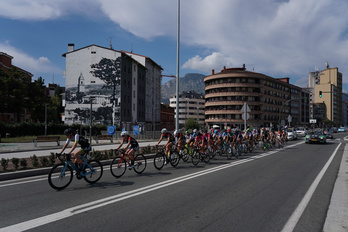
{"x": 320, "y": 93}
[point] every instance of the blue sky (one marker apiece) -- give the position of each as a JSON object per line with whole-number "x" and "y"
{"x": 278, "y": 38}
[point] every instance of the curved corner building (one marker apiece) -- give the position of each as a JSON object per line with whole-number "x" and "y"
{"x": 270, "y": 100}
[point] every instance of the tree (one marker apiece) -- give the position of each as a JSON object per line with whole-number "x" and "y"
{"x": 38, "y": 99}
{"x": 191, "y": 124}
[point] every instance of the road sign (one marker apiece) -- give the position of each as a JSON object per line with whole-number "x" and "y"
{"x": 289, "y": 118}
{"x": 111, "y": 130}
{"x": 245, "y": 116}
{"x": 245, "y": 106}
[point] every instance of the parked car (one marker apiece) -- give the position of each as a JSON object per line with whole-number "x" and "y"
{"x": 341, "y": 129}
{"x": 291, "y": 133}
{"x": 316, "y": 136}
{"x": 334, "y": 129}
{"x": 328, "y": 134}
{"x": 301, "y": 132}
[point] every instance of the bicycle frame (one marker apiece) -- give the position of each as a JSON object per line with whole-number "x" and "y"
{"x": 85, "y": 164}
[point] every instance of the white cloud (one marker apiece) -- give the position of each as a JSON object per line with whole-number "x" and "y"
{"x": 275, "y": 37}
{"x": 45, "y": 9}
{"x": 27, "y": 62}
{"x": 214, "y": 61}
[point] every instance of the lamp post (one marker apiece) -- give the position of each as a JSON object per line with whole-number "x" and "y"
{"x": 46, "y": 119}
{"x": 91, "y": 98}
{"x": 153, "y": 122}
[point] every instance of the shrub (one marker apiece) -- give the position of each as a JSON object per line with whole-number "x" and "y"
{"x": 34, "y": 161}
{"x": 15, "y": 162}
{"x": 44, "y": 161}
{"x": 52, "y": 159}
{"x": 4, "y": 163}
{"x": 24, "y": 163}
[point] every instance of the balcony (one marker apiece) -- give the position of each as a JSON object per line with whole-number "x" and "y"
{"x": 230, "y": 84}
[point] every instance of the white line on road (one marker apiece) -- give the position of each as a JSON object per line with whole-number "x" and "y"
{"x": 30, "y": 224}
{"x": 295, "y": 217}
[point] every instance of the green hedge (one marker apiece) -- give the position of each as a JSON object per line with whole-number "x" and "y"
{"x": 30, "y": 128}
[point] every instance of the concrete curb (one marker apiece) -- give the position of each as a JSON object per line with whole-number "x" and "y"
{"x": 44, "y": 171}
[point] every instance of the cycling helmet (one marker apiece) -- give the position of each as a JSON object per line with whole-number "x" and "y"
{"x": 164, "y": 130}
{"x": 69, "y": 131}
{"x": 215, "y": 131}
{"x": 228, "y": 130}
{"x": 195, "y": 131}
{"x": 175, "y": 132}
{"x": 123, "y": 133}
{"x": 186, "y": 132}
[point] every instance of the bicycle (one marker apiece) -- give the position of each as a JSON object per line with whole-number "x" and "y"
{"x": 119, "y": 164}
{"x": 199, "y": 155}
{"x": 61, "y": 175}
{"x": 161, "y": 158}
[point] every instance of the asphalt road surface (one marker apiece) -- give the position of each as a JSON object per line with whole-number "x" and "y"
{"x": 280, "y": 190}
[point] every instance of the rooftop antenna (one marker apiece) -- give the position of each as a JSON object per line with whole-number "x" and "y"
{"x": 53, "y": 78}
{"x": 110, "y": 42}
{"x": 327, "y": 64}
{"x": 132, "y": 48}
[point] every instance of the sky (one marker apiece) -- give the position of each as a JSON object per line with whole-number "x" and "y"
{"x": 278, "y": 38}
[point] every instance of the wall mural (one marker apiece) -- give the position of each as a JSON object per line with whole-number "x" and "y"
{"x": 105, "y": 94}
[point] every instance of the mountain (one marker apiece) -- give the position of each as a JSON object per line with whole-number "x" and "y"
{"x": 191, "y": 81}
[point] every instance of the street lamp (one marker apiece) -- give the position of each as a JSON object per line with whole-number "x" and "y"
{"x": 153, "y": 122}
{"x": 91, "y": 98}
{"x": 46, "y": 119}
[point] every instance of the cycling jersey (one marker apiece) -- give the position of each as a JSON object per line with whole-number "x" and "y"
{"x": 170, "y": 136}
{"x": 80, "y": 140}
{"x": 132, "y": 141}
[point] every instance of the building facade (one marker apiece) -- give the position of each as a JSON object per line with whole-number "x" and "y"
{"x": 14, "y": 115}
{"x": 152, "y": 91}
{"x": 271, "y": 101}
{"x": 167, "y": 117}
{"x": 191, "y": 105}
{"x": 105, "y": 85}
{"x": 330, "y": 86}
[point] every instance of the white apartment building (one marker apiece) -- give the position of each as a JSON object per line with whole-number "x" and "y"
{"x": 110, "y": 82}
{"x": 191, "y": 105}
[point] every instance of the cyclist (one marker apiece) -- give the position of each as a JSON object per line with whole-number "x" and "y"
{"x": 207, "y": 139}
{"x": 170, "y": 141}
{"x": 181, "y": 139}
{"x": 85, "y": 146}
{"x": 131, "y": 148}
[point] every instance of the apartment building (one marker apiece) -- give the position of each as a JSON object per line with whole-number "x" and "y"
{"x": 191, "y": 105}
{"x": 329, "y": 92}
{"x": 108, "y": 83}
{"x": 272, "y": 101}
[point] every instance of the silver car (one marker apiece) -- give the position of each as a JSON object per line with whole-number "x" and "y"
{"x": 292, "y": 135}
{"x": 301, "y": 132}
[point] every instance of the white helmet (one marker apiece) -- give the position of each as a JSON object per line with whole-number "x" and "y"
{"x": 175, "y": 132}
{"x": 124, "y": 133}
{"x": 164, "y": 130}
{"x": 195, "y": 131}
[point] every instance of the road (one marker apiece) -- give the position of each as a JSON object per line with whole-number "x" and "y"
{"x": 280, "y": 190}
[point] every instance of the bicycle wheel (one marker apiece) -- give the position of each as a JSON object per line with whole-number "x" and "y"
{"x": 60, "y": 176}
{"x": 185, "y": 155}
{"x": 206, "y": 157}
{"x": 139, "y": 163}
{"x": 93, "y": 171}
{"x": 228, "y": 152}
{"x": 159, "y": 160}
{"x": 174, "y": 158}
{"x": 195, "y": 158}
{"x": 118, "y": 167}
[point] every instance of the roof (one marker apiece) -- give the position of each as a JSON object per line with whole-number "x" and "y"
{"x": 148, "y": 58}
{"x": 111, "y": 49}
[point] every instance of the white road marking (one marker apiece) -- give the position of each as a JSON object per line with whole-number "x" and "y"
{"x": 30, "y": 224}
{"x": 295, "y": 217}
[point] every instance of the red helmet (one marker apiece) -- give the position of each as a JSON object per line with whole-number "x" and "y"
{"x": 228, "y": 130}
